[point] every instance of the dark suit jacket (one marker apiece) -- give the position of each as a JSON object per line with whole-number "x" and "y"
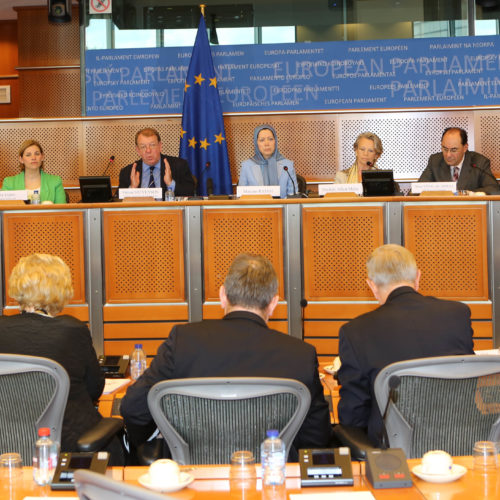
{"x": 184, "y": 183}
{"x": 475, "y": 174}
{"x": 408, "y": 326}
{"x": 239, "y": 345}
{"x": 67, "y": 341}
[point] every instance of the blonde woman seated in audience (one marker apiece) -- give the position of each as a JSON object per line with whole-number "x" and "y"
{"x": 42, "y": 286}
{"x": 33, "y": 178}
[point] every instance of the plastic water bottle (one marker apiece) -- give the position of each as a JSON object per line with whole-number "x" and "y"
{"x": 169, "y": 195}
{"x": 35, "y": 197}
{"x": 273, "y": 458}
{"x": 137, "y": 362}
{"x": 45, "y": 457}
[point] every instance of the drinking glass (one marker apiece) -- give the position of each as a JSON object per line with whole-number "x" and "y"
{"x": 485, "y": 456}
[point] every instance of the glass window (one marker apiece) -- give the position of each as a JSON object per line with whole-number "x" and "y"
{"x": 129, "y": 39}
{"x": 278, "y": 34}
{"x": 151, "y": 23}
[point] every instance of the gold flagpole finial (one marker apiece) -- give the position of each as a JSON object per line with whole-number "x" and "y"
{"x": 202, "y": 7}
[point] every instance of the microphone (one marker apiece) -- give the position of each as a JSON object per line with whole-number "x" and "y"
{"x": 210, "y": 182}
{"x": 210, "y": 186}
{"x": 293, "y": 183}
{"x": 110, "y": 162}
{"x": 487, "y": 172}
{"x": 303, "y": 305}
{"x": 369, "y": 164}
{"x": 394, "y": 383}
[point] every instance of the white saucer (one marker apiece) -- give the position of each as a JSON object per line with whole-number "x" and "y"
{"x": 329, "y": 369}
{"x": 185, "y": 480}
{"x": 457, "y": 471}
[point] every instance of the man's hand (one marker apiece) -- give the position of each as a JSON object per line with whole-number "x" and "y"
{"x": 168, "y": 173}
{"x": 135, "y": 177}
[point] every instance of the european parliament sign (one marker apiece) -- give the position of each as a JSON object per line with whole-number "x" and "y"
{"x": 388, "y": 74}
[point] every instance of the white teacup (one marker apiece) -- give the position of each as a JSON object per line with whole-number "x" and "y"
{"x": 437, "y": 462}
{"x": 164, "y": 472}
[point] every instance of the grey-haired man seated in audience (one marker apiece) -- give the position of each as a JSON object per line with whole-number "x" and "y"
{"x": 407, "y": 325}
{"x": 239, "y": 345}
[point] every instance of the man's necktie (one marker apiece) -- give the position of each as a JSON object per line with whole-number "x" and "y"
{"x": 456, "y": 173}
{"x": 151, "y": 178}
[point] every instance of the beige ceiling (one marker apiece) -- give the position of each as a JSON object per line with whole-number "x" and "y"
{"x": 7, "y": 11}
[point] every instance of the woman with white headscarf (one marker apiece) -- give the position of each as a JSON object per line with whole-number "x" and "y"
{"x": 268, "y": 167}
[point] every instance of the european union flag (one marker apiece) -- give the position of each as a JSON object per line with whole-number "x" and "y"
{"x": 203, "y": 139}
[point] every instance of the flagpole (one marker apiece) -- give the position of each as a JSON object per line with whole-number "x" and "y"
{"x": 202, "y": 7}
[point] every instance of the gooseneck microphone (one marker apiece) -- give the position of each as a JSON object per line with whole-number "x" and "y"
{"x": 293, "y": 183}
{"x": 369, "y": 164}
{"x": 486, "y": 172}
{"x": 394, "y": 383}
{"x": 210, "y": 182}
{"x": 110, "y": 162}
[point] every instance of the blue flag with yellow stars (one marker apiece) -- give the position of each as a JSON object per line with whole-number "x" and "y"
{"x": 203, "y": 139}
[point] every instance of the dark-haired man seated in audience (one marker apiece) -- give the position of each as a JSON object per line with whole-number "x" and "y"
{"x": 155, "y": 169}
{"x": 239, "y": 345}
{"x": 470, "y": 170}
{"x": 407, "y": 325}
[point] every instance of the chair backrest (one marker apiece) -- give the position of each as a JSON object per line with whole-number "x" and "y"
{"x": 204, "y": 420}
{"x": 445, "y": 403}
{"x": 33, "y": 394}
{"x": 93, "y": 486}
{"x": 302, "y": 184}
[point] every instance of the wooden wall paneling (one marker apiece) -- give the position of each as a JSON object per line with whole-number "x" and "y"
{"x": 42, "y": 43}
{"x": 450, "y": 245}
{"x": 337, "y": 242}
{"x": 50, "y": 92}
{"x": 144, "y": 256}
{"x": 61, "y": 143}
{"x": 227, "y": 233}
{"x": 8, "y": 64}
{"x": 121, "y": 347}
{"x": 55, "y": 91}
{"x": 56, "y": 233}
{"x": 308, "y": 140}
{"x": 116, "y": 137}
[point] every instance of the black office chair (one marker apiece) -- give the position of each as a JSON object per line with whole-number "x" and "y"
{"x": 446, "y": 403}
{"x": 302, "y": 184}
{"x": 204, "y": 420}
{"x": 33, "y": 394}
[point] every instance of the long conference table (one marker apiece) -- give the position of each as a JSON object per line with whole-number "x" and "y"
{"x": 140, "y": 268}
{"x": 211, "y": 483}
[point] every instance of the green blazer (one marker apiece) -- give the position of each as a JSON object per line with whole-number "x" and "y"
{"x": 51, "y": 187}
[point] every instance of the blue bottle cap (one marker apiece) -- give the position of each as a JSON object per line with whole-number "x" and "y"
{"x": 272, "y": 433}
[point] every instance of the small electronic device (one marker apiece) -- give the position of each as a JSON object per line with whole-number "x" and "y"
{"x": 388, "y": 468}
{"x": 325, "y": 467}
{"x": 69, "y": 462}
{"x": 378, "y": 182}
{"x": 95, "y": 189}
{"x": 114, "y": 366}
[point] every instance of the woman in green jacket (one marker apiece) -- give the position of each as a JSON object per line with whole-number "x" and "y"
{"x": 33, "y": 178}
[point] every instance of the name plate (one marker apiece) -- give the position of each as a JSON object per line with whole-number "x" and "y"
{"x": 268, "y": 190}
{"x": 341, "y": 188}
{"x": 21, "y": 194}
{"x": 156, "y": 193}
{"x": 418, "y": 187}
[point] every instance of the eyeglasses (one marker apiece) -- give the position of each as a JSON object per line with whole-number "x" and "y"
{"x": 145, "y": 147}
{"x": 449, "y": 150}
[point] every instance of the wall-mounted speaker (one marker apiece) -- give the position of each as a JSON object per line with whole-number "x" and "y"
{"x": 59, "y": 11}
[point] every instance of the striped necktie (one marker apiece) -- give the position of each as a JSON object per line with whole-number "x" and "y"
{"x": 456, "y": 173}
{"x": 151, "y": 178}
